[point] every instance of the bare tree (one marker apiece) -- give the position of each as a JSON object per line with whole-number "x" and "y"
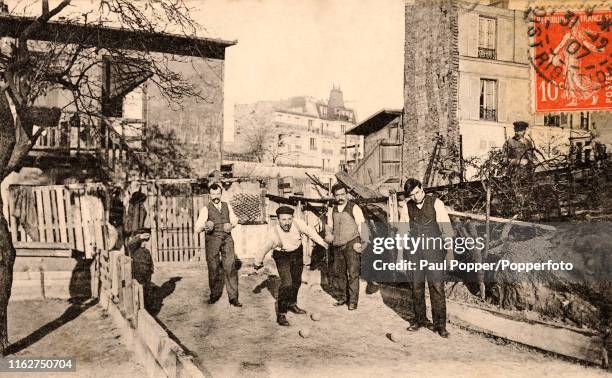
{"x": 31, "y": 67}
{"x": 265, "y": 142}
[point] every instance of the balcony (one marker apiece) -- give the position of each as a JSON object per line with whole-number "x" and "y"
{"x": 488, "y": 114}
{"x": 486, "y": 53}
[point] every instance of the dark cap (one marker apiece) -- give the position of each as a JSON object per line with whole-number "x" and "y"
{"x": 520, "y": 125}
{"x": 284, "y": 210}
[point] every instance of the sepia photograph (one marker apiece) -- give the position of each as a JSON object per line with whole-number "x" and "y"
{"x": 305, "y": 188}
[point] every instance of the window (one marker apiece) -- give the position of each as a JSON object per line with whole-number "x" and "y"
{"x": 486, "y": 37}
{"x": 488, "y": 100}
{"x": 310, "y": 125}
{"x": 313, "y": 144}
{"x": 324, "y": 110}
{"x": 343, "y": 128}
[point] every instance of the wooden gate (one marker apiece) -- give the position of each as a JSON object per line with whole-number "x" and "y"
{"x": 172, "y": 220}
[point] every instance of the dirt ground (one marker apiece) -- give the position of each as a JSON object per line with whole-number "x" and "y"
{"x": 229, "y": 341}
{"x": 56, "y": 328}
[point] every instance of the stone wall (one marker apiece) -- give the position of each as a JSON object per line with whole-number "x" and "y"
{"x": 430, "y": 80}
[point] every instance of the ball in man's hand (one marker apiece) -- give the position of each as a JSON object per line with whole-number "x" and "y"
{"x": 209, "y": 225}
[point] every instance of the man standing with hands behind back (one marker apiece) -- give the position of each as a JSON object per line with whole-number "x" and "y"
{"x": 218, "y": 219}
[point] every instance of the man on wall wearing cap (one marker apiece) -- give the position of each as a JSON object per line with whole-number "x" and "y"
{"x": 519, "y": 149}
{"x": 348, "y": 242}
{"x": 427, "y": 218}
{"x": 218, "y": 219}
{"x": 286, "y": 240}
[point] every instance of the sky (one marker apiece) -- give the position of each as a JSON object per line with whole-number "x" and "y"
{"x": 302, "y": 47}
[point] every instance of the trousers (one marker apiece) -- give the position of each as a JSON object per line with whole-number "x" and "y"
{"x": 347, "y": 266}
{"x": 290, "y": 266}
{"x": 435, "y": 282}
{"x": 221, "y": 262}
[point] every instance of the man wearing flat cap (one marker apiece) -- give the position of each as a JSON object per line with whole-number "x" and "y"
{"x": 519, "y": 148}
{"x": 285, "y": 239}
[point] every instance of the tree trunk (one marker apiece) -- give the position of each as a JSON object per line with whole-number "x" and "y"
{"x": 7, "y": 260}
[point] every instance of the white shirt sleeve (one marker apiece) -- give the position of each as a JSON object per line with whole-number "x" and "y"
{"x": 443, "y": 219}
{"x": 232, "y": 216}
{"x": 202, "y": 218}
{"x": 360, "y": 220}
{"x": 270, "y": 242}
{"x": 310, "y": 232}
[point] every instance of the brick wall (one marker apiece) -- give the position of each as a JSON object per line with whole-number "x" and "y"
{"x": 430, "y": 80}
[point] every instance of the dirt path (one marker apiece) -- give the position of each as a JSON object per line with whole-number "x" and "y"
{"x": 247, "y": 342}
{"x": 54, "y": 328}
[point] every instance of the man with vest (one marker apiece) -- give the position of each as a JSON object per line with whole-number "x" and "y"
{"x": 218, "y": 219}
{"x": 429, "y": 220}
{"x": 286, "y": 240}
{"x": 348, "y": 242}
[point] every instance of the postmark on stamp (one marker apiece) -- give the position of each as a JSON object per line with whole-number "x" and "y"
{"x": 571, "y": 59}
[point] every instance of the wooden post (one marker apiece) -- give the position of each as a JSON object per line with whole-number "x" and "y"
{"x": 487, "y": 238}
{"x": 128, "y": 294}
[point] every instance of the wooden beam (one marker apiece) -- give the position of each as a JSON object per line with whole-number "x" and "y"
{"x": 114, "y": 38}
{"x": 500, "y": 220}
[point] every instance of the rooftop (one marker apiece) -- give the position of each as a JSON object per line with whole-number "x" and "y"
{"x": 109, "y": 37}
{"x": 375, "y": 122}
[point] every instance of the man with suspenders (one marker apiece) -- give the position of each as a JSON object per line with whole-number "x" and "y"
{"x": 285, "y": 239}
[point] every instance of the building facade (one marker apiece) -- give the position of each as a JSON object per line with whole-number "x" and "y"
{"x": 473, "y": 85}
{"x": 298, "y": 132}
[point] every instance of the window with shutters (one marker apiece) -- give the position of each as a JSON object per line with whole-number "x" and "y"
{"x": 487, "y": 28}
{"x": 488, "y": 100}
{"x": 313, "y": 144}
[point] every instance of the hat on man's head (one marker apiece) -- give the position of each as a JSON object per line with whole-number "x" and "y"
{"x": 284, "y": 210}
{"x": 520, "y": 125}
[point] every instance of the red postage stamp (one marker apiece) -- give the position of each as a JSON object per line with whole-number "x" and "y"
{"x": 572, "y": 60}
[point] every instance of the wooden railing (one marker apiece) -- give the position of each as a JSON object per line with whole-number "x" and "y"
{"x": 102, "y": 140}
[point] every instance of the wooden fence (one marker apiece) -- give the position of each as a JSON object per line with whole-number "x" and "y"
{"x": 58, "y": 214}
{"x": 113, "y": 281}
{"x": 76, "y": 216}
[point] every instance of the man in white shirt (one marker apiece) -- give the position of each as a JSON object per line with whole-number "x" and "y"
{"x": 427, "y": 218}
{"x": 218, "y": 219}
{"x": 348, "y": 226}
{"x": 286, "y": 240}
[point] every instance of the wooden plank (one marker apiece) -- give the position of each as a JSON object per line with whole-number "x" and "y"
{"x": 61, "y": 212}
{"x": 39, "y": 212}
{"x": 173, "y": 232}
{"x": 152, "y": 212}
{"x": 128, "y": 294}
{"x": 46, "y": 200}
{"x": 78, "y": 224}
{"x": 558, "y": 340}
{"x": 54, "y": 216}
{"x": 42, "y": 245}
{"x": 12, "y": 223}
{"x": 69, "y": 218}
{"x": 500, "y": 220}
{"x": 30, "y": 252}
